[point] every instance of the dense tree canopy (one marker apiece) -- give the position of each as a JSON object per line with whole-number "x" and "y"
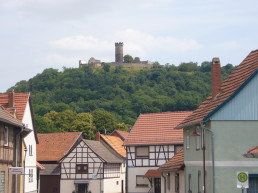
{"x": 128, "y": 59}
{"x": 91, "y": 99}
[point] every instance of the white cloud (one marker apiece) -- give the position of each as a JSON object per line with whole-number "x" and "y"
{"x": 134, "y": 41}
{"x": 80, "y": 43}
{"x": 143, "y": 41}
{"x": 59, "y": 60}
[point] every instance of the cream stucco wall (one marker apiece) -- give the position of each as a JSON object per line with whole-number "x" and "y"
{"x": 172, "y": 182}
{"x": 132, "y": 173}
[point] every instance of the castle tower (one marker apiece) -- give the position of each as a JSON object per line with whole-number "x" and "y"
{"x": 119, "y": 52}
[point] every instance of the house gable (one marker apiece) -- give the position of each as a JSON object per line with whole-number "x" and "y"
{"x": 242, "y": 105}
{"x": 81, "y": 154}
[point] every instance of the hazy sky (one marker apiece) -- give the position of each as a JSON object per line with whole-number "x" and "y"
{"x": 39, "y": 34}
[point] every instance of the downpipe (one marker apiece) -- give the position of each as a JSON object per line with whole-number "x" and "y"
{"x": 212, "y": 153}
{"x": 165, "y": 183}
{"x": 16, "y": 157}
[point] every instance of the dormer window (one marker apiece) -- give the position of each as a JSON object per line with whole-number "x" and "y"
{"x": 6, "y": 136}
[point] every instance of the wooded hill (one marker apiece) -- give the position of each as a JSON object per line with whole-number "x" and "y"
{"x": 102, "y": 99}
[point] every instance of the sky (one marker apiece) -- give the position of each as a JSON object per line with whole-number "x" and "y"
{"x": 40, "y": 34}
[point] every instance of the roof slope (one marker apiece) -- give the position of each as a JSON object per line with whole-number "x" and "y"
{"x": 122, "y": 134}
{"x": 175, "y": 163}
{"x": 21, "y": 100}
{"x": 157, "y": 128}
{"x": 53, "y": 146}
{"x": 253, "y": 150}
{"x": 152, "y": 174}
{"x": 103, "y": 151}
{"x": 115, "y": 143}
{"x": 6, "y": 117}
{"x": 230, "y": 86}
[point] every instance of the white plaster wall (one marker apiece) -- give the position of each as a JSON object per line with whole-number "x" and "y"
{"x": 132, "y": 173}
{"x": 113, "y": 185}
{"x": 172, "y": 182}
{"x": 30, "y": 161}
{"x": 68, "y": 186}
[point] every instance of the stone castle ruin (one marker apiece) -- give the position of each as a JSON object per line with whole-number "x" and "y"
{"x": 119, "y": 58}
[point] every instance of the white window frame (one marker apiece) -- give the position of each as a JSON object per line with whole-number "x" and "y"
{"x": 198, "y": 139}
{"x": 30, "y": 175}
{"x": 30, "y": 150}
{"x": 6, "y": 136}
{"x": 187, "y": 139}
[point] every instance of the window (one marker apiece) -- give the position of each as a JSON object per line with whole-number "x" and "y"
{"x": 187, "y": 139}
{"x": 141, "y": 181}
{"x": 30, "y": 175}
{"x": 199, "y": 181}
{"x": 142, "y": 152}
{"x": 30, "y": 150}
{"x": 168, "y": 180}
{"x": 198, "y": 139}
{"x": 189, "y": 184}
{"x": 177, "y": 182}
{"x": 6, "y": 136}
{"x": 81, "y": 168}
{"x": 2, "y": 182}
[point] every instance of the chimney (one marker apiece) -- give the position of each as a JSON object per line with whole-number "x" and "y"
{"x": 11, "y": 101}
{"x": 215, "y": 76}
{"x": 97, "y": 136}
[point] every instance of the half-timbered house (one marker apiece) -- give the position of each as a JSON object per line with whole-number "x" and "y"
{"x": 92, "y": 166}
{"x": 151, "y": 142}
{"x": 20, "y": 105}
{"x": 50, "y": 150}
{"x": 12, "y": 132}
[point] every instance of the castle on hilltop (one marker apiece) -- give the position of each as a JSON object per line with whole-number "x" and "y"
{"x": 119, "y": 59}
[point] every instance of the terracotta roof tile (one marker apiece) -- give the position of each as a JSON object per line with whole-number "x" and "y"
{"x": 115, "y": 143}
{"x": 6, "y": 117}
{"x": 175, "y": 163}
{"x": 122, "y": 134}
{"x": 53, "y": 146}
{"x": 21, "y": 100}
{"x": 253, "y": 150}
{"x": 233, "y": 82}
{"x": 152, "y": 174}
{"x": 157, "y": 128}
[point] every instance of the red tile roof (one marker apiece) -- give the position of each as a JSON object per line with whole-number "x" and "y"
{"x": 253, "y": 150}
{"x": 115, "y": 143}
{"x": 233, "y": 82}
{"x": 175, "y": 163}
{"x": 152, "y": 174}
{"x": 40, "y": 166}
{"x": 122, "y": 134}
{"x": 53, "y": 146}
{"x": 157, "y": 128}
{"x": 21, "y": 100}
{"x": 6, "y": 117}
